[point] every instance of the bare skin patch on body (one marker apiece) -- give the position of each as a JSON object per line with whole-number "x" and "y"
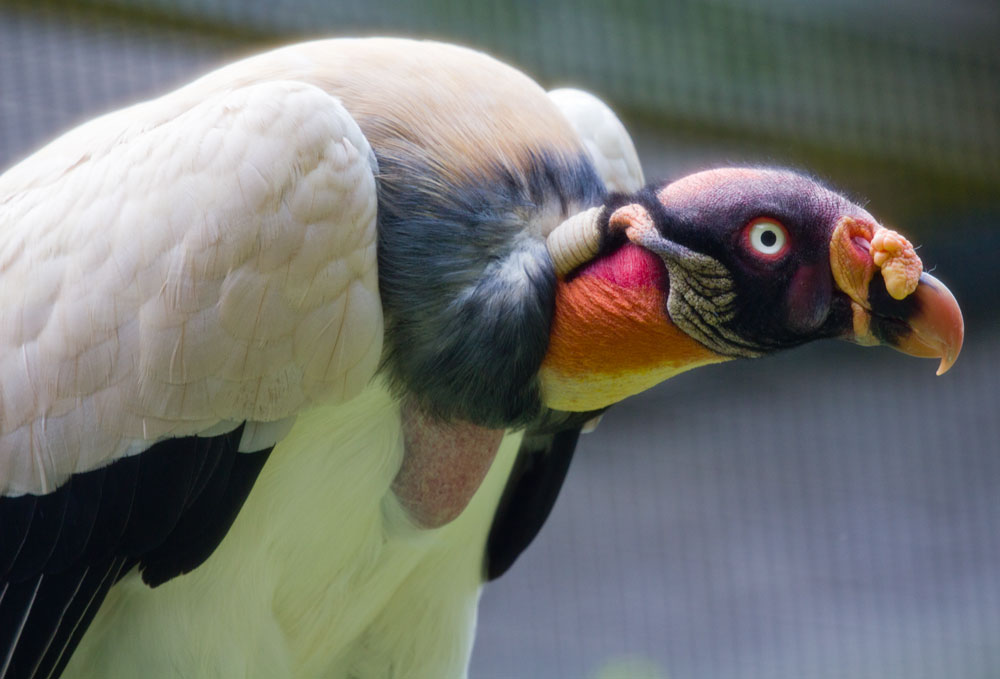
{"x": 444, "y": 463}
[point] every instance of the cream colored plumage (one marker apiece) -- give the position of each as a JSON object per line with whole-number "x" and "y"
{"x": 605, "y": 138}
{"x": 146, "y": 316}
{"x": 208, "y": 258}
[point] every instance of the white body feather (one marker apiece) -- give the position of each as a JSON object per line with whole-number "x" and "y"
{"x": 359, "y": 593}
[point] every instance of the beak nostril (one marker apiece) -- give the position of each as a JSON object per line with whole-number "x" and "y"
{"x": 862, "y": 244}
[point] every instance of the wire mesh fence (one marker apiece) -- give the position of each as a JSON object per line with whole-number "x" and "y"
{"x": 755, "y": 521}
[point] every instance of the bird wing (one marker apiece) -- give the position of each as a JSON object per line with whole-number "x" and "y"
{"x": 604, "y": 136}
{"x": 534, "y": 483}
{"x": 177, "y": 280}
{"x": 549, "y": 443}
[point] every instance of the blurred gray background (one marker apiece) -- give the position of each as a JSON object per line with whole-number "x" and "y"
{"x": 833, "y": 512}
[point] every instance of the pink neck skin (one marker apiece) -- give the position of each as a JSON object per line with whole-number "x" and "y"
{"x": 444, "y": 463}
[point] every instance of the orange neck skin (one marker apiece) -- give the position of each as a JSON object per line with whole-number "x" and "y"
{"x": 611, "y": 335}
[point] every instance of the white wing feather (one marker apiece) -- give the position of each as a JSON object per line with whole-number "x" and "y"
{"x": 184, "y": 262}
{"x": 605, "y": 138}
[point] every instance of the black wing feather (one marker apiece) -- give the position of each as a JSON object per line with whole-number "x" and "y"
{"x": 533, "y": 486}
{"x": 45, "y": 601}
{"x": 165, "y": 510}
{"x": 47, "y": 518}
{"x": 204, "y": 524}
{"x": 15, "y": 522}
{"x": 82, "y": 505}
{"x": 97, "y": 581}
{"x": 161, "y": 493}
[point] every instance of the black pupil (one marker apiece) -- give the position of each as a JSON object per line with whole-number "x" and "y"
{"x": 768, "y": 238}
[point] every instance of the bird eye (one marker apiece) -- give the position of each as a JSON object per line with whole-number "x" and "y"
{"x": 767, "y": 237}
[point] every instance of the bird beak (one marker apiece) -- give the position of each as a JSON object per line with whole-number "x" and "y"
{"x": 892, "y": 300}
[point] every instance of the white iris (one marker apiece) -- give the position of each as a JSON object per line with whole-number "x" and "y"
{"x": 767, "y": 238}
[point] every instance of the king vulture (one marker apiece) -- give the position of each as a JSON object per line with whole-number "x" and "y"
{"x": 294, "y": 359}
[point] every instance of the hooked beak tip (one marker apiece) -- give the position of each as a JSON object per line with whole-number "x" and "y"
{"x": 948, "y": 322}
{"x": 937, "y": 327}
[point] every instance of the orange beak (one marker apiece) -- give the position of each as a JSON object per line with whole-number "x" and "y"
{"x": 894, "y": 303}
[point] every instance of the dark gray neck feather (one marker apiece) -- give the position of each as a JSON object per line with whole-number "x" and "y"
{"x": 467, "y": 288}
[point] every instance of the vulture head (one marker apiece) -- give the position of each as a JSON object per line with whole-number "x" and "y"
{"x": 723, "y": 264}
